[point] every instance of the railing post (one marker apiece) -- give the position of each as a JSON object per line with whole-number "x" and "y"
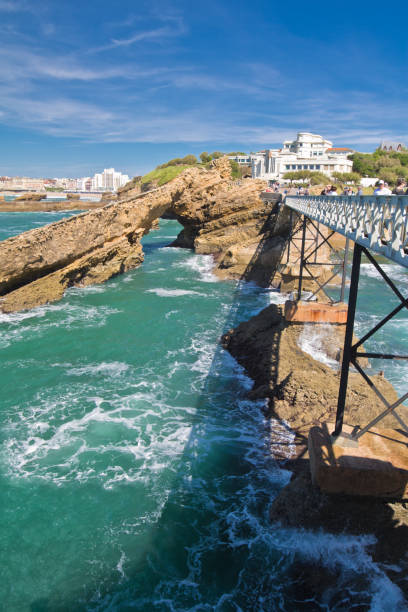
{"x": 302, "y": 256}
{"x": 290, "y": 232}
{"x": 348, "y": 339}
{"x": 344, "y": 273}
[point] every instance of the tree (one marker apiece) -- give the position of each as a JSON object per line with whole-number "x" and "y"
{"x": 315, "y": 178}
{"x": 388, "y": 175}
{"x": 205, "y": 157}
{"x": 347, "y": 177}
{"x": 364, "y": 163}
{"x": 387, "y": 162}
{"x": 235, "y": 169}
{"x": 189, "y": 160}
{"x": 318, "y": 178}
{"x": 217, "y": 154}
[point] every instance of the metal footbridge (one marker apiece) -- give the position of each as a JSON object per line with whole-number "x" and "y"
{"x": 378, "y": 225}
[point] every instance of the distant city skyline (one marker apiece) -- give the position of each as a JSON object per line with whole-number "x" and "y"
{"x": 144, "y": 85}
{"x": 108, "y": 180}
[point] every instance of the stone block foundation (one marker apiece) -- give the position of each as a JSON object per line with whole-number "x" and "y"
{"x": 376, "y": 466}
{"x": 314, "y": 312}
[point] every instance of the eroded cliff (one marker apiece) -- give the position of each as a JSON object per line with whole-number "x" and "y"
{"x": 220, "y": 216}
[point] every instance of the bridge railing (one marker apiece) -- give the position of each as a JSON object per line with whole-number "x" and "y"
{"x": 379, "y": 223}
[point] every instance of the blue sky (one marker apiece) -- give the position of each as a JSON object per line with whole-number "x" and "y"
{"x": 90, "y": 84}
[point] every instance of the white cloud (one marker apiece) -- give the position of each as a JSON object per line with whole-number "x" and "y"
{"x": 20, "y": 63}
{"x": 14, "y": 6}
{"x": 112, "y": 101}
{"x": 174, "y": 27}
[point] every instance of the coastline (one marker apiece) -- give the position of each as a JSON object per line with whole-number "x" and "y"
{"x": 301, "y": 392}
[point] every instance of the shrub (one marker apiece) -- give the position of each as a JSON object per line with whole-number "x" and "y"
{"x": 205, "y": 157}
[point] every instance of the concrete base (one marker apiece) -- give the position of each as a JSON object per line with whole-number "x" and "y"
{"x": 377, "y": 466}
{"x": 314, "y": 312}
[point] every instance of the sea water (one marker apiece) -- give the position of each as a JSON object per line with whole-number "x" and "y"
{"x": 135, "y": 472}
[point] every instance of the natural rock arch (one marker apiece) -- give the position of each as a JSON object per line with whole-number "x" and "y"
{"x": 220, "y": 216}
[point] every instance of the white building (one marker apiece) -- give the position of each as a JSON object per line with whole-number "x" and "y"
{"x": 388, "y": 145}
{"x": 307, "y": 152}
{"x": 109, "y": 180}
{"x": 84, "y": 184}
{"x": 242, "y": 160}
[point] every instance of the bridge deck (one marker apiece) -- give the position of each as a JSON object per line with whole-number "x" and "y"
{"x": 379, "y": 223}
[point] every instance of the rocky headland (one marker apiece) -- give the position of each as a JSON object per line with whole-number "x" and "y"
{"x": 220, "y": 216}
{"x": 302, "y": 392}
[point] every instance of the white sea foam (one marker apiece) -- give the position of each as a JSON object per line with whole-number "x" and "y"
{"x": 276, "y": 297}
{"x": 174, "y": 292}
{"x": 346, "y": 554}
{"x": 39, "y": 320}
{"x": 56, "y": 440}
{"x": 394, "y": 271}
{"x": 89, "y": 289}
{"x": 311, "y": 341}
{"x": 114, "y": 368}
{"x": 170, "y": 313}
{"x": 201, "y": 264}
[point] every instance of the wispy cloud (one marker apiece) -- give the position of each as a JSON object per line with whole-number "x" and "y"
{"x": 139, "y": 36}
{"x": 113, "y": 98}
{"x": 174, "y": 26}
{"x": 13, "y": 6}
{"x": 22, "y": 64}
{"x": 92, "y": 122}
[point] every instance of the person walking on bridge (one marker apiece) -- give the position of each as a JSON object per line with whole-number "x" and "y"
{"x": 382, "y": 189}
{"x": 401, "y": 187}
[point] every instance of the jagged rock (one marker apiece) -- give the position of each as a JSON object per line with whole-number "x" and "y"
{"x": 220, "y": 216}
{"x": 302, "y": 391}
{"x": 108, "y": 197}
{"x": 38, "y": 265}
{"x": 132, "y": 185}
{"x": 30, "y": 197}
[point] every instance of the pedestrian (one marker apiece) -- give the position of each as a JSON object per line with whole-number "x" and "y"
{"x": 360, "y": 190}
{"x": 382, "y": 189}
{"x": 333, "y": 190}
{"x": 401, "y": 187}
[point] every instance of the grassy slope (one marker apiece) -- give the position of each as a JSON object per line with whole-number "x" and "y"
{"x": 164, "y": 175}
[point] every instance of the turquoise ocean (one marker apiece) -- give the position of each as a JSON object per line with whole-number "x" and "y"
{"x": 135, "y": 473}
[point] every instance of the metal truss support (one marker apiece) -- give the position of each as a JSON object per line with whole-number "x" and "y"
{"x": 308, "y": 256}
{"x": 351, "y": 352}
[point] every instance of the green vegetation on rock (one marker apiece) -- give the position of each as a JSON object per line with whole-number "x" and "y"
{"x": 188, "y": 160}
{"x": 163, "y": 175}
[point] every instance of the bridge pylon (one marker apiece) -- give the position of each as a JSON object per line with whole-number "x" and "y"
{"x": 361, "y": 460}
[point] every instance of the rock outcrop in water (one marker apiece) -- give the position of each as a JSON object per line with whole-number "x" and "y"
{"x": 223, "y": 217}
{"x": 302, "y": 392}
{"x": 49, "y": 205}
